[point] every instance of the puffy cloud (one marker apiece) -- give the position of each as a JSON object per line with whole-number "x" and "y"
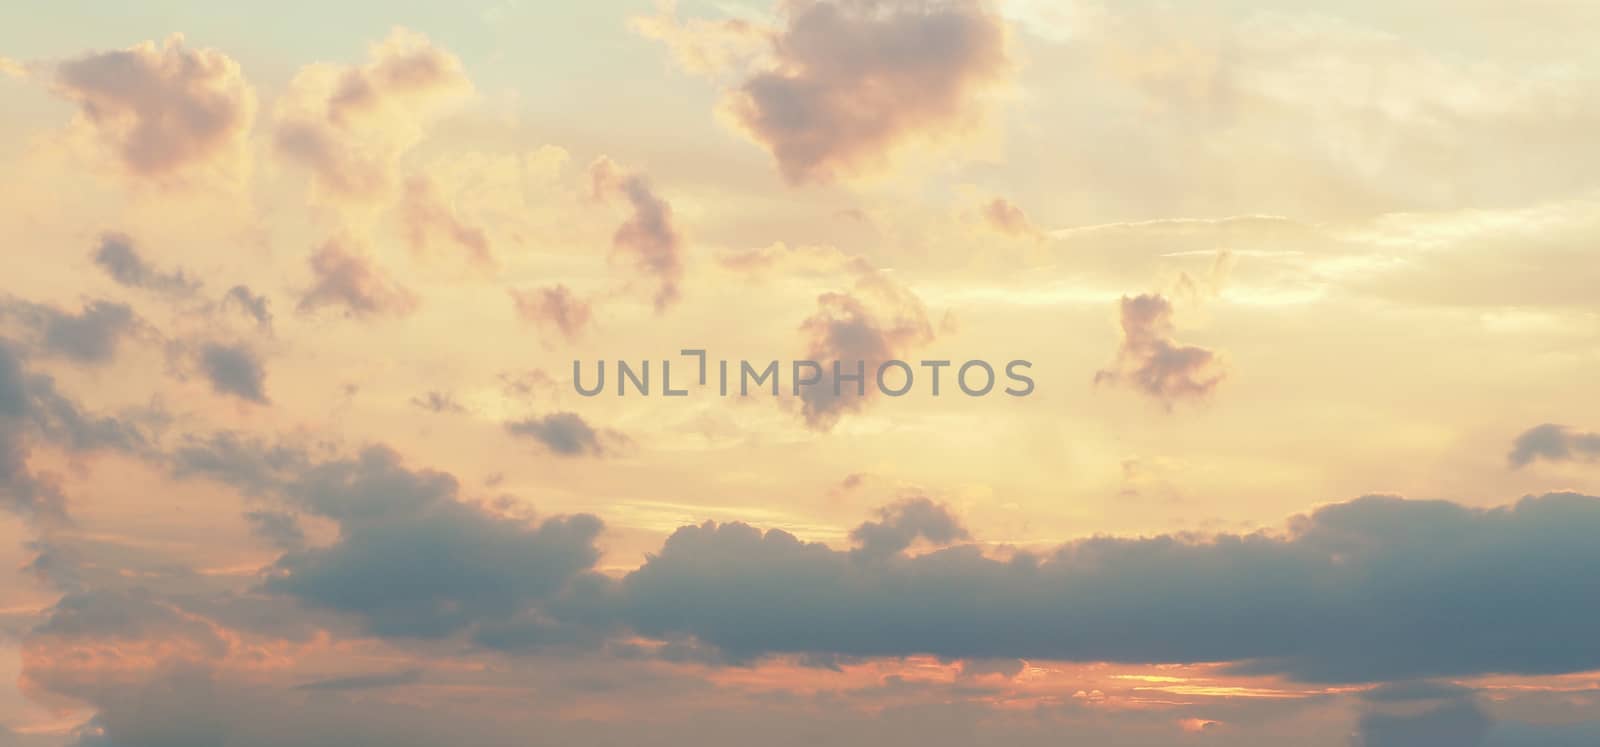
{"x": 1370, "y": 590}
{"x": 234, "y": 370}
{"x": 555, "y": 308}
{"x": 903, "y": 523}
{"x": 1009, "y": 219}
{"x": 163, "y": 108}
{"x": 353, "y": 281}
{"x": 1554, "y": 443}
{"x": 648, "y": 237}
{"x": 120, "y": 259}
{"x": 567, "y": 434}
{"x": 877, "y": 321}
{"x": 426, "y": 215}
{"x": 90, "y": 336}
{"x": 1152, "y": 362}
{"x": 850, "y": 82}
{"x": 350, "y": 125}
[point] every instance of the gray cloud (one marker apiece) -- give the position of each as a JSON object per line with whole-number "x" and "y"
{"x": 254, "y": 306}
{"x": 1155, "y": 364}
{"x": 162, "y": 109}
{"x": 648, "y": 237}
{"x": 1554, "y": 443}
{"x": 352, "y": 281}
{"x": 412, "y": 560}
{"x": 234, "y": 370}
{"x": 902, "y": 523}
{"x": 1371, "y": 590}
{"x": 438, "y": 402}
{"x": 279, "y": 528}
{"x": 33, "y": 412}
{"x": 567, "y": 434}
{"x": 365, "y": 681}
{"x": 120, "y": 259}
{"x": 90, "y": 336}
{"x": 852, "y": 81}
{"x": 555, "y": 308}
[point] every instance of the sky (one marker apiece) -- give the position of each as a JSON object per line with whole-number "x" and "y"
{"x": 299, "y": 306}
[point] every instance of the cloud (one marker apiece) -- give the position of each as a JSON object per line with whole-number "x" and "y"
{"x": 163, "y": 109}
{"x": 349, "y": 125}
{"x": 648, "y": 237}
{"x": 851, "y": 82}
{"x": 567, "y": 434}
{"x": 118, "y": 257}
{"x": 438, "y": 402}
{"x": 1009, "y": 219}
{"x": 234, "y": 370}
{"x": 427, "y": 216}
{"x": 353, "y": 281}
{"x": 414, "y": 561}
{"x": 1553, "y": 443}
{"x": 1370, "y": 590}
{"x": 554, "y": 308}
{"x": 279, "y": 528}
{"x": 876, "y": 322}
{"x": 365, "y": 681}
{"x": 903, "y": 523}
{"x": 254, "y": 306}
{"x": 1152, "y": 362}
{"x": 90, "y": 336}
{"x": 33, "y": 412}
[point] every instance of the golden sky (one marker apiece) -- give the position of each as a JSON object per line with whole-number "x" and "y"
{"x": 292, "y": 453}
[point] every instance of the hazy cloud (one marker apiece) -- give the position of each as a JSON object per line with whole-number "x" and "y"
{"x": 349, "y": 124}
{"x": 1009, "y": 219}
{"x": 426, "y": 216}
{"x": 355, "y": 283}
{"x": 903, "y": 523}
{"x": 648, "y": 237}
{"x": 554, "y": 308}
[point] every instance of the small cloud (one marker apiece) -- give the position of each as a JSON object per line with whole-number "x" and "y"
{"x": 119, "y": 258}
{"x": 438, "y": 402}
{"x": 1152, "y": 362}
{"x": 1009, "y": 219}
{"x": 555, "y": 308}
{"x": 648, "y": 237}
{"x": 254, "y": 306}
{"x": 234, "y": 370}
{"x": 1553, "y": 443}
{"x": 352, "y": 281}
{"x": 901, "y": 524}
{"x": 567, "y": 434}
